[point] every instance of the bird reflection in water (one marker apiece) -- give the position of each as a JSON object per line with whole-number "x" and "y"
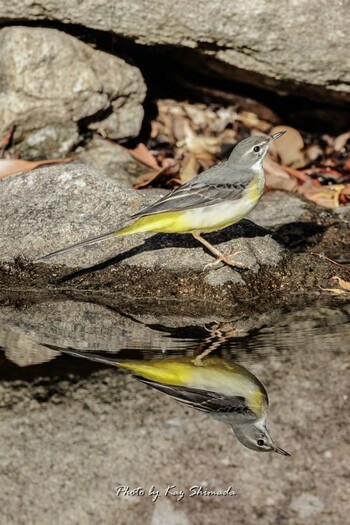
{"x": 223, "y": 389}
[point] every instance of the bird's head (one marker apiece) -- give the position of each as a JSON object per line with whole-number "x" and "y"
{"x": 256, "y": 437}
{"x": 250, "y": 152}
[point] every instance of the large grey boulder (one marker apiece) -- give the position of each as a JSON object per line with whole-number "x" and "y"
{"x": 52, "y": 207}
{"x": 300, "y": 46}
{"x": 49, "y": 208}
{"x": 52, "y": 85}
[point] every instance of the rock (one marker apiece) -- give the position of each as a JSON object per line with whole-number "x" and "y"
{"x": 60, "y": 205}
{"x": 271, "y": 44}
{"x": 53, "y": 207}
{"x": 73, "y": 324}
{"x": 51, "y": 141}
{"x": 92, "y": 327}
{"x": 53, "y": 86}
{"x": 307, "y": 505}
{"x": 112, "y": 159}
{"x": 165, "y": 512}
{"x": 23, "y": 350}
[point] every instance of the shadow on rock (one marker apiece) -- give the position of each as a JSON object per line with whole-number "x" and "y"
{"x": 244, "y": 229}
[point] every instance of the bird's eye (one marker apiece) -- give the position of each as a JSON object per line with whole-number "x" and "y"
{"x": 260, "y": 442}
{"x": 256, "y": 149}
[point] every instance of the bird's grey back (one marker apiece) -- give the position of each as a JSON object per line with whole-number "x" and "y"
{"x": 227, "y": 172}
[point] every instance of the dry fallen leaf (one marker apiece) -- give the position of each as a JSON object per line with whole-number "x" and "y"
{"x": 344, "y": 197}
{"x": 341, "y": 141}
{"x": 335, "y": 291}
{"x": 343, "y": 284}
{"x": 312, "y": 152}
{"x": 11, "y": 166}
{"x": 200, "y": 145}
{"x": 327, "y": 196}
{"x": 146, "y": 179}
{"x": 301, "y": 176}
{"x": 6, "y": 139}
{"x": 323, "y": 173}
{"x": 276, "y": 177}
{"x": 142, "y": 154}
{"x": 288, "y": 150}
{"x": 190, "y": 168}
{"x": 251, "y": 120}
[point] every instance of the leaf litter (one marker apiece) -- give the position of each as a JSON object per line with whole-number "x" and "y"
{"x": 344, "y": 286}
{"x": 188, "y": 138}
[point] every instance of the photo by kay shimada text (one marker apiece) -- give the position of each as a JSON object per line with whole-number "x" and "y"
{"x": 172, "y": 491}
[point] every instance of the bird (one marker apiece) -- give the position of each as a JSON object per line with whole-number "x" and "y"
{"x": 211, "y": 201}
{"x": 221, "y": 388}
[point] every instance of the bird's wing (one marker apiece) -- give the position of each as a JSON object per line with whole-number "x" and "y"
{"x": 202, "y": 191}
{"x": 204, "y": 400}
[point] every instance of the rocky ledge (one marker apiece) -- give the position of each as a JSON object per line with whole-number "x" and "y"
{"x": 49, "y": 208}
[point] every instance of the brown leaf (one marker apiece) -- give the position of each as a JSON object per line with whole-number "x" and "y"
{"x": 190, "y": 168}
{"x": 200, "y": 145}
{"x": 335, "y": 291}
{"x": 151, "y": 178}
{"x": 345, "y": 194}
{"x": 312, "y": 152}
{"x": 327, "y": 196}
{"x": 6, "y": 139}
{"x": 142, "y": 154}
{"x": 341, "y": 141}
{"x": 343, "y": 284}
{"x": 146, "y": 179}
{"x": 251, "y": 120}
{"x": 323, "y": 172}
{"x": 301, "y": 176}
{"x": 288, "y": 150}
{"x": 347, "y": 165}
{"x": 11, "y": 166}
{"x": 276, "y": 176}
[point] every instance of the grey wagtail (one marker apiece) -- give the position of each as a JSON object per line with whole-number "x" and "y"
{"x": 226, "y": 391}
{"x": 214, "y": 199}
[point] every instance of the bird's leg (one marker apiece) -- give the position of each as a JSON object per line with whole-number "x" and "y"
{"x": 220, "y": 257}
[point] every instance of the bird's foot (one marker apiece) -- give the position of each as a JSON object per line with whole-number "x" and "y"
{"x": 226, "y": 259}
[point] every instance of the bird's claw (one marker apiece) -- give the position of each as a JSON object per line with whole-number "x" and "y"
{"x": 226, "y": 259}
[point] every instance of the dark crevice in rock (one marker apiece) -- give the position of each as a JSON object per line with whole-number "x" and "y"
{"x": 181, "y": 73}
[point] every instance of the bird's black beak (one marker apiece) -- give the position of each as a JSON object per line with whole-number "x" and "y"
{"x": 280, "y": 450}
{"x": 277, "y": 135}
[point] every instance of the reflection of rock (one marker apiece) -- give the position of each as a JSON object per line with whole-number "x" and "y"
{"x": 51, "y": 83}
{"x": 295, "y": 334}
{"x": 88, "y": 326}
{"x": 270, "y": 44}
{"x": 167, "y": 512}
{"x": 79, "y": 325}
{"x": 22, "y": 349}
{"x": 86, "y": 434}
{"x": 307, "y": 505}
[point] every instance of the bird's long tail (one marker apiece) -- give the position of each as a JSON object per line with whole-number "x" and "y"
{"x": 169, "y": 371}
{"x": 153, "y": 371}
{"x": 88, "y": 242}
{"x": 86, "y": 355}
